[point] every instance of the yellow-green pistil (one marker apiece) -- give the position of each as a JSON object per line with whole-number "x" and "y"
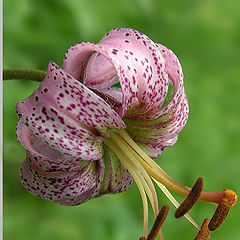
{"x": 143, "y": 170}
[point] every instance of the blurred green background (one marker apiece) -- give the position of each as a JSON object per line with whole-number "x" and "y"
{"x": 205, "y": 35}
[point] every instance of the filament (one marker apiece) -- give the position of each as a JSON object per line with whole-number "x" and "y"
{"x": 126, "y": 164}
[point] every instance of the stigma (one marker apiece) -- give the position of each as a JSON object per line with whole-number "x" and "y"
{"x": 145, "y": 171}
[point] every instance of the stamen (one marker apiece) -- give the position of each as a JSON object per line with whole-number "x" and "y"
{"x": 229, "y": 199}
{"x": 191, "y": 199}
{"x": 155, "y": 171}
{"x": 140, "y": 171}
{"x": 152, "y": 167}
{"x": 134, "y": 173}
{"x": 146, "y": 180}
{"x": 143, "y": 168}
{"x": 204, "y": 232}
{"x": 134, "y": 157}
{"x": 158, "y": 222}
{"x": 175, "y": 203}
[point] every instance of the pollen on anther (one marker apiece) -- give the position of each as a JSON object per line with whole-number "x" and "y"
{"x": 191, "y": 199}
{"x": 158, "y": 222}
{"x": 204, "y": 232}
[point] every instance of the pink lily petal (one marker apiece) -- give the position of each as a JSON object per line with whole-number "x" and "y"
{"x": 168, "y": 121}
{"x": 138, "y": 64}
{"x": 112, "y": 96}
{"x": 49, "y": 174}
{"x": 141, "y": 54}
{"x": 153, "y": 151}
{"x": 98, "y": 69}
{"x": 67, "y": 188}
{"x": 175, "y": 74}
{"x": 68, "y": 116}
{"x": 43, "y": 156}
{"x": 162, "y": 131}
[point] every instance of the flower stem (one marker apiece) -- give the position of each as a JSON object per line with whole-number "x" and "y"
{"x": 20, "y": 73}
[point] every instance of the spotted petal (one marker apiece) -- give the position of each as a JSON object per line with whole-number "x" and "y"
{"x": 45, "y": 157}
{"x": 129, "y": 57}
{"x": 68, "y": 116}
{"x": 67, "y": 188}
{"x": 175, "y": 75}
{"x": 52, "y": 175}
{"x": 162, "y": 132}
{"x": 153, "y": 136}
{"x": 153, "y": 150}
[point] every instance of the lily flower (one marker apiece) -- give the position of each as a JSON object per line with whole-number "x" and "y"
{"x": 93, "y": 126}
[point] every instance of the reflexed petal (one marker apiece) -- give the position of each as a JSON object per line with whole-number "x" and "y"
{"x": 137, "y": 63}
{"x": 153, "y": 151}
{"x": 50, "y": 175}
{"x": 67, "y": 188}
{"x": 45, "y": 157}
{"x": 68, "y": 116}
{"x": 137, "y": 51}
{"x": 163, "y": 129}
{"x": 169, "y": 120}
{"x": 175, "y": 74}
{"x": 98, "y": 70}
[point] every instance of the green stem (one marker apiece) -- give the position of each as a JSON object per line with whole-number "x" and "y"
{"x": 20, "y": 73}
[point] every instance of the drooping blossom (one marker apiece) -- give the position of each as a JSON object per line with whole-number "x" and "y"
{"x": 101, "y": 120}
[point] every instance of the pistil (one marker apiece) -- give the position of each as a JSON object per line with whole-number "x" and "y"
{"x": 125, "y": 142}
{"x": 141, "y": 178}
{"x": 143, "y": 170}
{"x": 229, "y": 200}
